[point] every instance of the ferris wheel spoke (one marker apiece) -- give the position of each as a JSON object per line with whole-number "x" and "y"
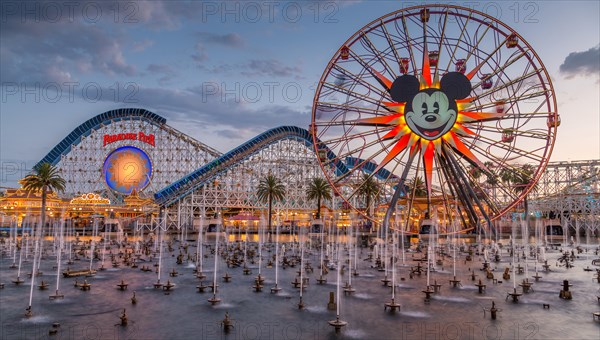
{"x": 388, "y": 38}
{"x": 355, "y": 109}
{"x": 464, "y": 194}
{"x": 350, "y": 93}
{"x": 350, "y": 175}
{"x": 512, "y": 149}
{"x": 460, "y": 38}
{"x": 532, "y": 134}
{"x": 502, "y": 69}
{"x": 359, "y": 80}
{"x": 348, "y": 108}
{"x": 336, "y": 119}
{"x": 362, "y": 134}
{"x": 525, "y": 97}
{"x": 475, "y": 47}
{"x": 510, "y": 84}
{"x": 381, "y": 79}
{"x": 494, "y": 129}
{"x": 447, "y": 197}
{"x": 478, "y": 190}
{"x": 335, "y": 87}
{"x": 410, "y": 45}
{"x": 484, "y": 61}
{"x": 347, "y": 153}
{"x": 499, "y": 89}
{"x": 353, "y": 193}
{"x": 377, "y": 54}
{"x": 441, "y": 39}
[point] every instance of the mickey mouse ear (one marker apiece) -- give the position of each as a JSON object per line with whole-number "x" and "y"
{"x": 455, "y": 85}
{"x": 404, "y": 88}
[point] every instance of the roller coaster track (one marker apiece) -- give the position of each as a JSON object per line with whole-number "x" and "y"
{"x": 205, "y": 174}
{"x": 109, "y": 117}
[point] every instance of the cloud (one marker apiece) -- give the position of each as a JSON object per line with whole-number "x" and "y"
{"x": 200, "y": 113}
{"x": 57, "y": 51}
{"x": 167, "y": 72}
{"x": 232, "y": 40}
{"x": 586, "y": 63}
{"x": 200, "y": 56}
{"x": 229, "y": 133}
{"x": 229, "y": 40}
{"x": 140, "y": 46}
{"x": 270, "y": 68}
{"x": 206, "y": 107}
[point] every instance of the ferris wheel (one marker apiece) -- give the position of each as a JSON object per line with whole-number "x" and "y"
{"x": 441, "y": 95}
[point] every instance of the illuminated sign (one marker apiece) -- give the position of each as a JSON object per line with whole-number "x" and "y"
{"x": 90, "y": 198}
{"x": 127, "y": 168}
{"x": 142, "y": 137}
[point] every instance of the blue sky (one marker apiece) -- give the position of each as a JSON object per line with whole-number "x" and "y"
{"x": 223, "y": 72}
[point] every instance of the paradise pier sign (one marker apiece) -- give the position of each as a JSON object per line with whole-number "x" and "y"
{"x": 142, "y": 137}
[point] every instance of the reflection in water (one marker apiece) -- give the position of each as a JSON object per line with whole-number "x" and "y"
{"x": 184, "y": 313}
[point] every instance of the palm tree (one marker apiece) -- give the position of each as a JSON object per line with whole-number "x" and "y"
{"x": 520, "y": 178}
{"x": 417, "y": 187}
{"x": 491, "y": 177}
{"x": 369, "y": 190}
{"x": 521, "y": 181}
{"x": 318, "y": 189}
{"x": 45, "y": 178}
{"x": 475, "y": 172}
{"x": 270, "y": 188}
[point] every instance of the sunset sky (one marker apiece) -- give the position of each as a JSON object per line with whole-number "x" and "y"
{"x": 223, "y": 72}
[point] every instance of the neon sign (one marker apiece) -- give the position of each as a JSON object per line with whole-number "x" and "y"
{"x": 90, "y": 198}
{"x": 142, "y": 137}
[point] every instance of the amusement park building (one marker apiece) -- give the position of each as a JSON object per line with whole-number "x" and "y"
{"x": 129, "y": 166}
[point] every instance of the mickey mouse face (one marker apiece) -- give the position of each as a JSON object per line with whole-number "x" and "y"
{"x": 430, "y": 113}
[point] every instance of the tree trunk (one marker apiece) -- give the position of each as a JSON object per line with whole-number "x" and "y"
{"x": 270, "y": 211}
{"x": 318, "y": 207}
{"x": 43, "y": 216}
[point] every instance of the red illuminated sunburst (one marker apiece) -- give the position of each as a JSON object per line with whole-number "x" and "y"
{"x": 418, "y": 140}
